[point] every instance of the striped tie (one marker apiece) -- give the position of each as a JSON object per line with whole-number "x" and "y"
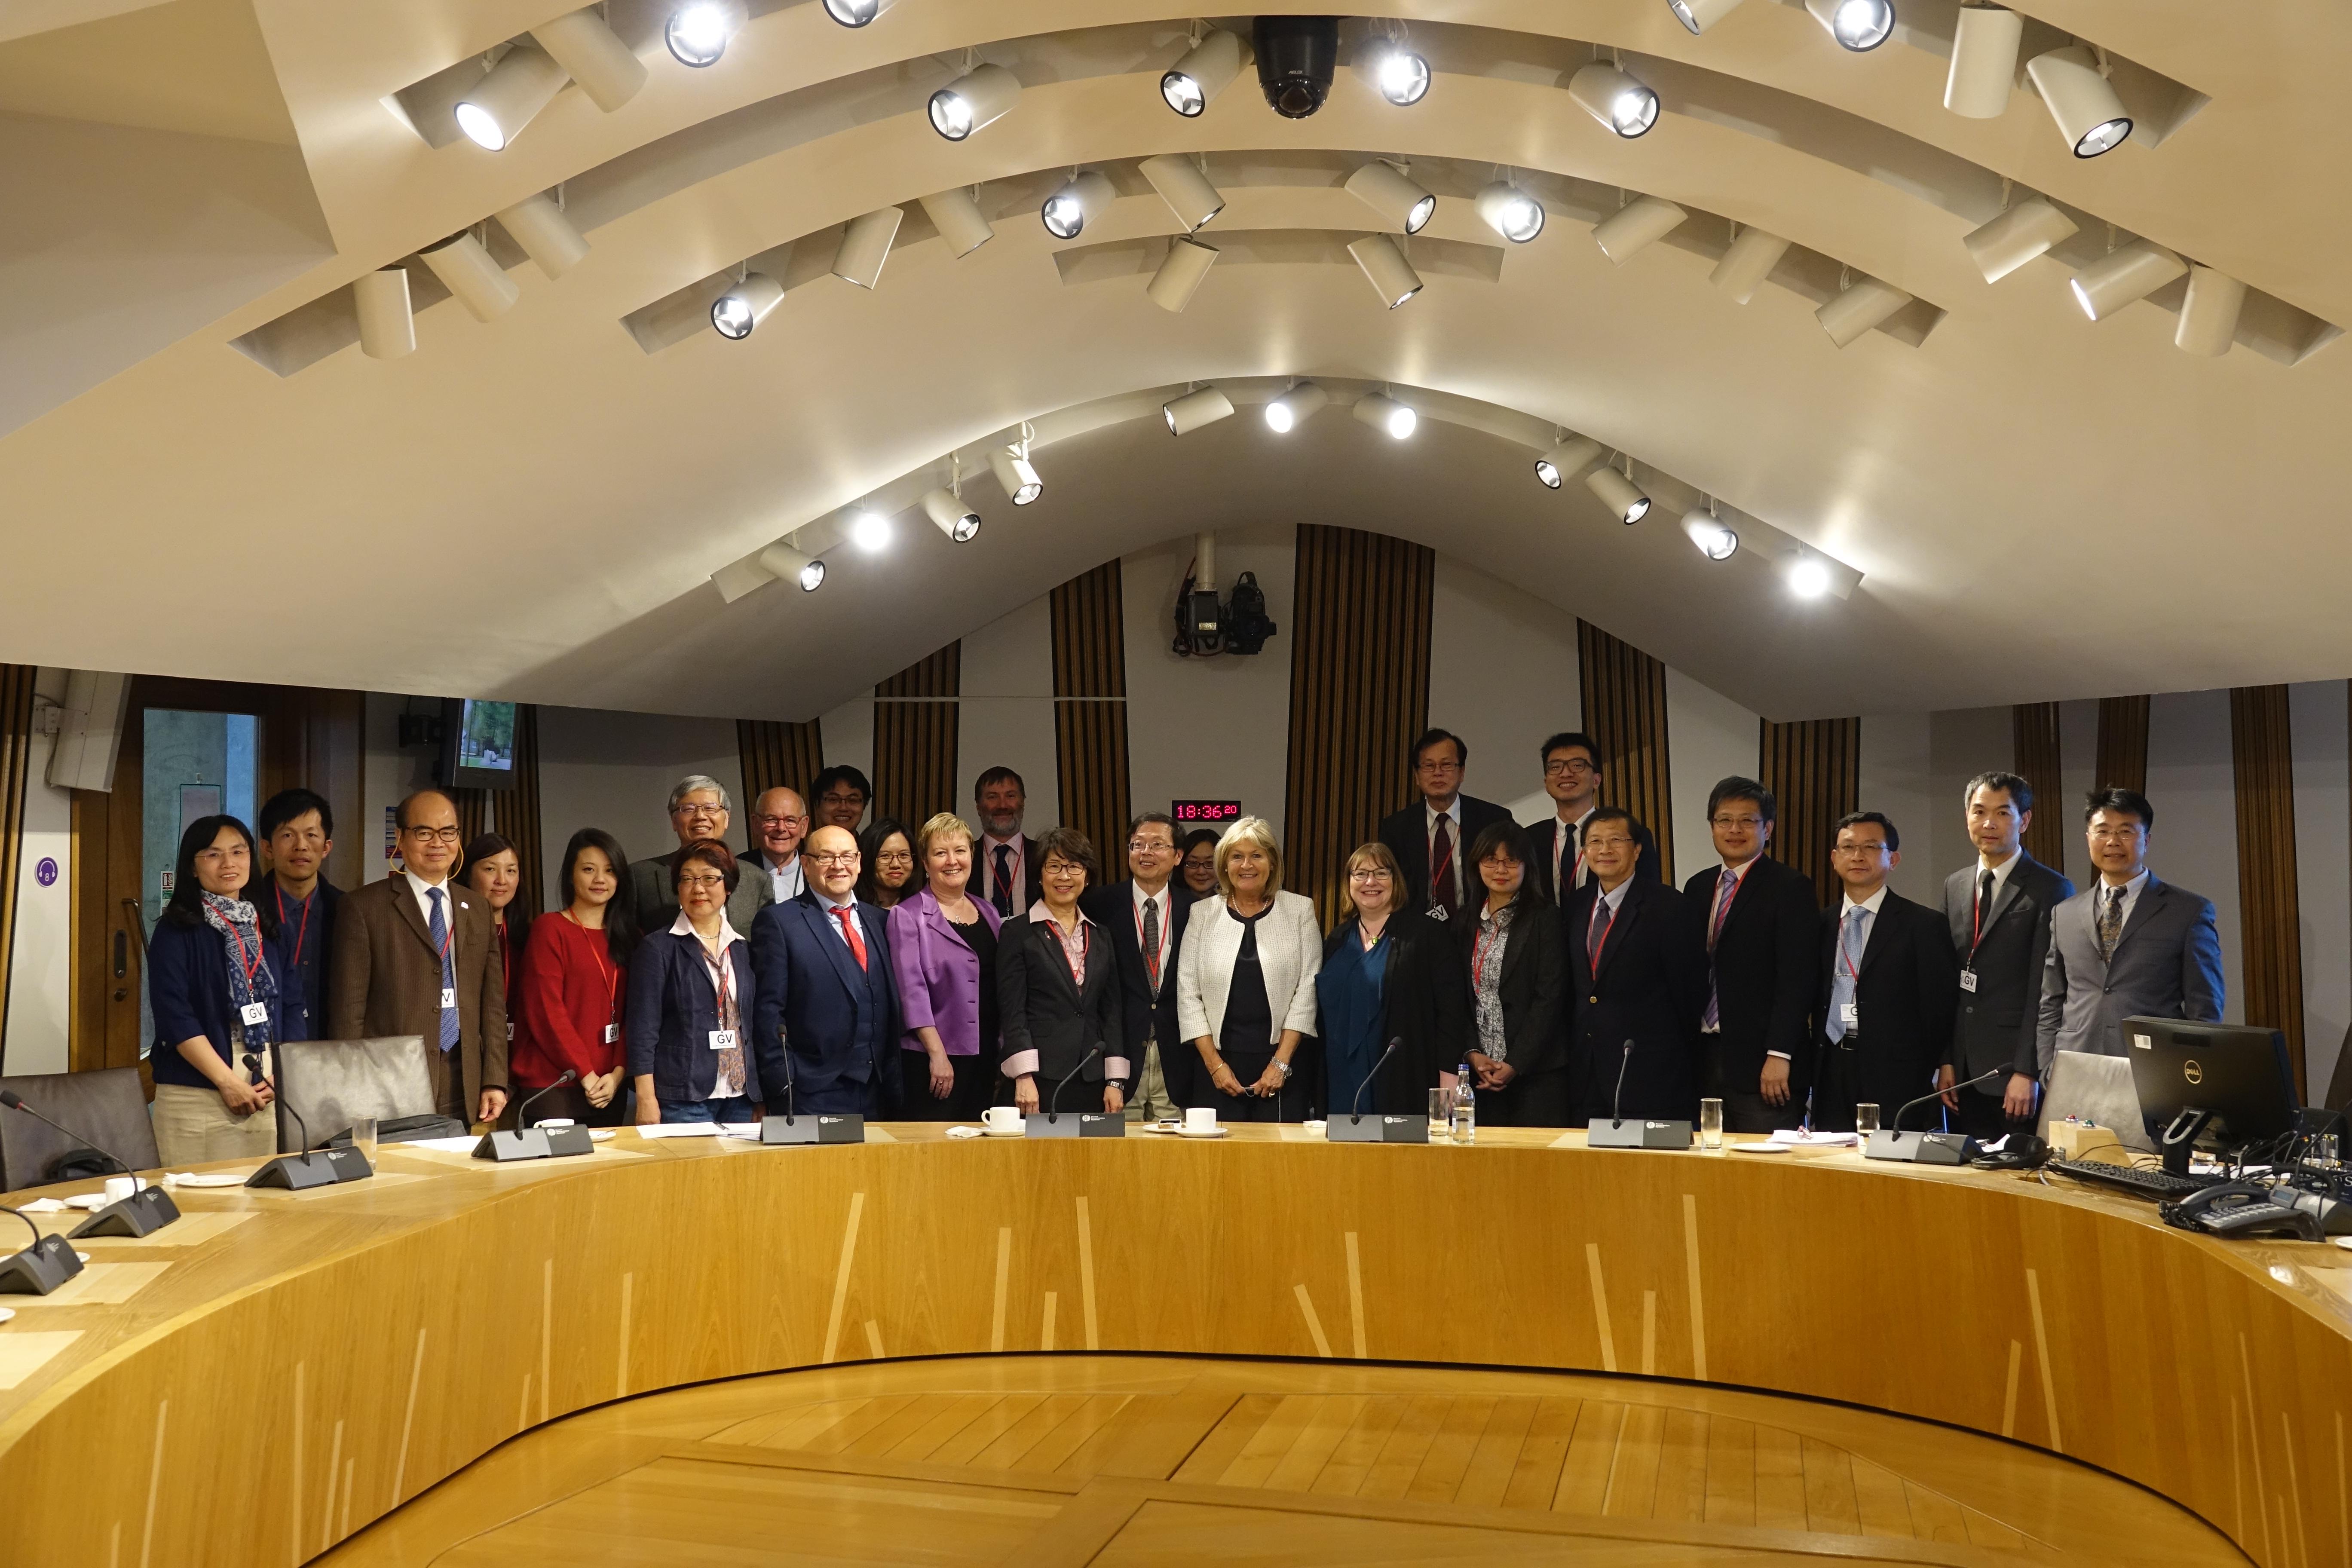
{"x": 439, "y": 929}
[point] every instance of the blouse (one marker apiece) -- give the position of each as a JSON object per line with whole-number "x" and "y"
{"x": 1487, "y": 951}
{"x": 1249, "y": 1019}
{"x": 1349, "y": 986}
{"x": 982, "y": 940}
{"x": 569, "y": 999}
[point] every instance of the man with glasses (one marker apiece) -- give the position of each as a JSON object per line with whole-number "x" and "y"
{"x": 824, "y": 1009}
{"x": 1005, "y": 861}
{"x": 779, "y": 821}
{"x": 1431, "y": 837}
{"x": 698, "y": 808}
{"x": 2000, "y": 910}
{"x": 842, "y": 795}
{"x": 1145, "y": 918}
{"x": 1571, "y": 776}
{"x": 415, "y": 956}
{"x": 1762, "y": 925}
{"x": 1883, "y": 1020}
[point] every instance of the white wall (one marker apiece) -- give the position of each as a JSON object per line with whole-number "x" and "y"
{"x": 1503, "y": 676}
{"x": 1961, "y": 743}
{"x": 1708, "y": 738}
{"x": 2192, "y": 787}
{"x": 614, "y": 771}
{"x": 2323, "y": 857}
{"x": 1007, "y": 712}
{"x": 40, "y": 964}
{"x": 1895, "y": 780}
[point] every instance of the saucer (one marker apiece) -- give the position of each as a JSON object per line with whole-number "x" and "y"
{"x": 1757, "y": 1148}
{"x": 209, "y": 1179}
{"x": 1018, "y": 1130}
{"x": 596, "y": 1134}
{"x": 1188, "y": 1133}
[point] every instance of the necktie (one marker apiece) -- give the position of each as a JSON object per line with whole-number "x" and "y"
{"x": 1559, "y": 888}
{"x": 2110, "y": 922}
{"x": 1596, "y": 933}
{"x": 1852, "y": 937}
{"x": 1151, "y": 944}
{"x": 437, "y": 927}
{"x": 847, "y": 916}
{"x": 1984, "y": 909}
{"x": 1726, "y": 885}
{"x": 1441, "y": 867}
{"x": 1003, "y": 895}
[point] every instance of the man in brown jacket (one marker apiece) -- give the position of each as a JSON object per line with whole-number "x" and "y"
{"x": 414, "y": 955}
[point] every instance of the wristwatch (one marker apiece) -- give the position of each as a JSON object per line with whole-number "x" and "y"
{"x": 1283, "y": 1067}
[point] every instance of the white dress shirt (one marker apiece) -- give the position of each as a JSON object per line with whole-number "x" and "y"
{"x": 787, "y": 879}
{"x": 1846, "y": 906}
{"x": 1452, "y": 813}
{"x": 1727, "y": 886}
{"x": 1144, "y": 900}
{"x": 2132, "y": 890}
{"x": 1020, "y": 879}
{"x": 828, "y": 904}
{"x": 422, "y": 890}
{"x": 1568, "y": 852}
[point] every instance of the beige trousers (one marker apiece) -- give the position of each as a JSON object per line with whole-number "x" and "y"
{"x": 1150, "y": 1102}
{"x": 193, "y": 1126}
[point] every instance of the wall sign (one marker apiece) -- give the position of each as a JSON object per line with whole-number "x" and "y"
{"x": 46, "y": 873}
{"x": 1204, "y": 813}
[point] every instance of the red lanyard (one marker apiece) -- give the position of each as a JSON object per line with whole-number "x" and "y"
{"x": 1085, "y": 949}
{"x": 506, "y": 959}
{"x": 722, "y": 981}
{"x": 252, "y": 969}
{"x": 1976, "y": 924}
{"x": 1443, "y": 867}
{"x": 1477, "y": 953}
{"x": 1160, "y": 953}
{"x": 1595, "y": 949}
{"x": 1852, "y": 974}
{"x": 1723, "y": 904}
{"x": 303, "y": 933}
{"x": 610, "y": 976}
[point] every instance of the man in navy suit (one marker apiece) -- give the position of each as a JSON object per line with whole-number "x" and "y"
{"x": 1148, "y": 906}
{"x": 825, "y": 1011}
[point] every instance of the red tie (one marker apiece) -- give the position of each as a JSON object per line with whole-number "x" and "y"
{"x": 848, "y": 918}
{"x": 1441, "y": 868}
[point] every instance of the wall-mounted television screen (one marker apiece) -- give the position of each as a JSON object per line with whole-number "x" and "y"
{"x": 478, "y": 742}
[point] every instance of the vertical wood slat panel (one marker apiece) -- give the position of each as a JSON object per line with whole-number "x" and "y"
{"x": 2123, "y": 744}
{"x": 1814, "y": 767}
{"x": 915, "y": 739}
{"x": 2269, "y": 922}
{"x": 778, "y": 755}
{"x": 15, "y": 745}
{"x": 1089, "y": 632}
{"x": 519, "y": 818}
{"x": 1358, "y": 695}
{"x": 1624, "y": 692}
{"x": 2034, "y": 728}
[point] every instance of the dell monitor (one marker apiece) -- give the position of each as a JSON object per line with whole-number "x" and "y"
{"x": 2221, "y": 1086}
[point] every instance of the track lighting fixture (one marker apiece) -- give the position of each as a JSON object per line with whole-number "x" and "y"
{"x": 956, "y": 521}
{"x": 1188, "y": 413}
{"x": 2087, "y": 111}
{"x": 546, "y": 236}
{"x": 734, "y": 313}
{"x": 1640, "y": 222}
{"x": 870, "y": 531}
{"x": 1619, "y": 101}
{"x": 1857, "y": 24}
{"x": 607, "y": 70}
{"x": 1385, "y": 189}
{"x": 467, "y": 270}
{"x": 1296, "y": 58}
{"x": 1749, "y": 260}
{"x": 1868, "y": 303}
{"x": 1187, "y": 263}
{"x": 1984, "y": 61}
{"x": 794, "y": 566}
{"x": 1620, "y": 494}
{"x": 2015, "y": 237}
{"x": 974, "y": 101}
{"x": 957, "y": 216}
{"x": 1715, "y": 539}
{"x": 1016, "y": 473}
{"x": 1511, "y": 212}
{"x": 699, "y": 32}
{"x": 1401, "y": 75}
{"x": 1206, "y": 70}
{"x": 2208, "y": 317}
{"x": 2116, "y": 280}
{"x": 1386, "y": 415}
{"x": 1698, "y": 16}
{"x": 854, "y": 13}
{"x": 1185, "y": 189}
{"x": 1286, "y": 413}
{"x": 865, "y": 246}
{"x": 510, "y": 97}
{"x": 1568, "y": 457}
{"x": 1806, "y": 575}
{"x": 1069, "y": 210}
{"x": 388, "y": 324}
{"x": 1386, "y": 269}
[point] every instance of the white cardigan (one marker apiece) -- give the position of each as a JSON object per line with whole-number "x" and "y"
{"x": 1289, "y": 952}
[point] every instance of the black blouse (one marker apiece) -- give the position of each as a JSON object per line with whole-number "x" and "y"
{"x": 1249, "y": 1021}
{"x": 978, "y": 937}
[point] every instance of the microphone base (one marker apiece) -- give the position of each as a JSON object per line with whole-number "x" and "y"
{"x": 1353, "y": 1129}
{"x": 39, "y": 1268}
{"x": 1633, "y": 1133}
{"x": 809, "y": 1127}
{"x": 1922, "y": 1148}
{"x": 1076, "y": 1124}
{"x": 319, "y": 1168}
{"x": 144, "y": 1213}
{"x": 534, "y": 1143}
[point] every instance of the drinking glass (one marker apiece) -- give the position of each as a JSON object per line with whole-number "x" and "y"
{"x": 363, "y": 1138}
{"x": 1710, "y": 1124}
{"x": 1866, "y": 1121}
{"x": 1441, "y": 1113}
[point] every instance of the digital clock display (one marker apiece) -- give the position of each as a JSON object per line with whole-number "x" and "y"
{"x": 1194, "y": 812}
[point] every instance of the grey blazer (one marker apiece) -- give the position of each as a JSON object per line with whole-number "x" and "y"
{"x": 653, "y": 897}
{"x": 2168, "y": 965}
{"x": 1998, "y": 1024}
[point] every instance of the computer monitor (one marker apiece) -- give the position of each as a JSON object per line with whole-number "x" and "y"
{"x": 478, "y": 742}
{"x": 2220, "y": 1086}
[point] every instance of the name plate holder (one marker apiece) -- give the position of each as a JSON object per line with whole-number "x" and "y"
{"x": 1921, "y": 1148}
{"x": 809, "y": 1127}
{"x": 1076, "y": 1124}
{"x": 1353, "y": 1129}
{"x": 319, "y": 1168}
{"x": 1605, "y": 1133}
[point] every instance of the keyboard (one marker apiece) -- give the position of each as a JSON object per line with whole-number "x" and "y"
{"x": 2139, "y": 1181}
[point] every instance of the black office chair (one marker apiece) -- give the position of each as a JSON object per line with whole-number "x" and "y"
{"x": 110, "y": 1106}
{"x": 329, "y": 1082}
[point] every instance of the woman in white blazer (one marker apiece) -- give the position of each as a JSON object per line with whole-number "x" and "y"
{"x": 1246, "y": 979}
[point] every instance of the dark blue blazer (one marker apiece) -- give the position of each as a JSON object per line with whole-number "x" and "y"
{"x": 839, "y": 1025}
{"x": 187, "y": 989}
{"x": 672, "y": 1009}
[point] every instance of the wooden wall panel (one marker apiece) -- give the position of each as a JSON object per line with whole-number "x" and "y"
{"x": 15, "y": 744}
{"x": 518, "y": 819}
{"x": 2270, "y": 939}
{"x": 2035, "y": 726}
{"x": 1625, "y": 711}
{"x": 2123, "y": 744}
{"x": 914, "y": 737}
{"x": 1358, "y": 695}
{"x": 1090, "y": 711}
{"x": 1814, "y": 767}
{"x": 778, "y": 755}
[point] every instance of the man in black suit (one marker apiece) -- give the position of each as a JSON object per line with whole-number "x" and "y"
{"x": 1884, "y": 1025}
{"x": 1636, "y": 981}
{"x": 1763, "y": 936}
{"x": 1145, "y": 917}
{"x": 298, "y": 828}
{"x": 1571, "y": 776}
{"x": 1005, "y": 861}
{"x": 2000, "y": 912}
{"x": 1434, "y": 834}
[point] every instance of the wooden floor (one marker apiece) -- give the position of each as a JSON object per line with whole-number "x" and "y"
{"x": 1139, "y": 1460}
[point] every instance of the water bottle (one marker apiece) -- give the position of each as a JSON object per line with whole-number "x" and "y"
{"x": 1465, "y": 1107}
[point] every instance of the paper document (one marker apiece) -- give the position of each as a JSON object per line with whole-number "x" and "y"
{"x": 678, "y": 1130}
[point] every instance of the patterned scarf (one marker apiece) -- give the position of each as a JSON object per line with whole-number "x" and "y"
{"x": 239, "y": 924}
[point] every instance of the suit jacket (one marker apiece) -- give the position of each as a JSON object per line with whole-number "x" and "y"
{"x": 982, "y": 885}
{"x": 1050, "y": 1021}
{"x": 1406, "y": 833}
{"x": 1289, "y": 954}
{"x": 654, "y": 896}
{"x": 939, "y": 977}
{"x": 386, "y": 978}
{"x": 1907, "y": 992}
{"x": 672, "y": 1009}
{"x": 1425, "y": 1002}
{"x": 2168, "y": 965}
{"x": 1146, "y": 1015}
{"x": 1533, "y": 985}
{"x": 818, "y": 1019}
{"x": 1649, "y": 988}
{"x": 1999, "y": 1021}
{"x": 1766, "y": 967}
{"x": 1543, "y": 834}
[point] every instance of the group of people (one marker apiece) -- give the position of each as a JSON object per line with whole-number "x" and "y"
{"x": 928, "y": 971}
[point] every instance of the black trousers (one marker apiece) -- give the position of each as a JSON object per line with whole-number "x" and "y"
{"x": 1744, "y": 1110}
{"x": 975, "y": 1082}
{"x": 1536, "y": 1100}
{"x": 1289, "y": 1105}
{"x": 1981, "y": 1114}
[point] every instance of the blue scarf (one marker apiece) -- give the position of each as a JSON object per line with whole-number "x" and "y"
{"x": 239, "y": 924}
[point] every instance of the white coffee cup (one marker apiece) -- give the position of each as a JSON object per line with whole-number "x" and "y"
{"x": 121, "y": 1187}
{"x": 1199, "y": 1120}
{"x": 1000, "y": 1118}
{"x": 556, "y": 1122}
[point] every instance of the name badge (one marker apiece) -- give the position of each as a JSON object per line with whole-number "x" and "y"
{"x": 448, "y": 997}
{"x": 1437, "y": 911}
{"x": 722, "y": 1039}
{"x": 612, "y": 1034}
{"x": 510, "y": 1030}
{"x": 1969, "y": 981}
{"x": 1850, "y": 1015}
{"x": 254, "y": 1014}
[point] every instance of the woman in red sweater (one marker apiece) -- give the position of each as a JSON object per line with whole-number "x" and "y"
{"x": 571, "y": 990}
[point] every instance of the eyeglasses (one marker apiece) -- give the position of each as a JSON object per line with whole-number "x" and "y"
{"x": 1737, "y": 821}
{"x": 450, "y": 836}
{"x": 895, "y": 858}
{"x": 1150, "y": 846}
{"x": 1571, "y": 766}
{"x": 835, "y": 858}
{"x": 691, "y": 808}
{"x": 705, "y": 883}
{"x": 778, "y": 821}
{"x": 1374, "y": 875}
{"x": 1438, "y": 765}
{"x": 838, "y": 798}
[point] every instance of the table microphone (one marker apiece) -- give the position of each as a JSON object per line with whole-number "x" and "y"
{"x": 145, "y": 1212}
{"x": 1896, "y": 1128}
{"x": 312, "y": 1167}
{"x": 253, "y": 1066}
{"x": 569, "y": 1077}
{"x": 41, "y": 1267}
{"x": 1356, "y": 1112}
{"x": 1053, "y": 1111}
{"x": 1617, "y": 1101}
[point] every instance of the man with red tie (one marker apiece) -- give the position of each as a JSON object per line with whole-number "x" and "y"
{"x": 1431, "y": 837}
{"x": 825, "y": 1006}
{"x": 1636, "y": 982}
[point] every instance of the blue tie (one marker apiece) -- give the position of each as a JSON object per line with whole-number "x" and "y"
{"x": 437, "y": 927}
{"x": 1844, "y": 967}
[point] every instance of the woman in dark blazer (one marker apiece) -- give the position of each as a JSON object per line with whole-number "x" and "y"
{"x": 1511, "y": 944}
{"x": 942, "y": 953}
{"x": 1389, "y": 973}
{"x": 690, "y": 1002}
{"x": 1057, "y": 988}
{"x": 214, "y": 994}
{"x": 1648, "y": 987}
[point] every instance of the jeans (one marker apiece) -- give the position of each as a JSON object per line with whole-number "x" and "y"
{"x": 735, "y": 1110}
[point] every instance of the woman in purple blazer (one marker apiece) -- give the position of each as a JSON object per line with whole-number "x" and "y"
{"x": 944, "y": 944}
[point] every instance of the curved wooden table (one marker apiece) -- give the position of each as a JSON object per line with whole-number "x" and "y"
{"x": 296, "y": 1365}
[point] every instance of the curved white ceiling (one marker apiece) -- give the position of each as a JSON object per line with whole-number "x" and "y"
{"x": 534, "y": 506}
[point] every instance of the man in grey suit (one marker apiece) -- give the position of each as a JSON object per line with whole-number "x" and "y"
{"x": 2126, "y": 946}
{"x": 698, "y": 808}
{"x": 2000, "y": 912}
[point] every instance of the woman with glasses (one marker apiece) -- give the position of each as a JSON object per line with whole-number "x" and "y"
{"x": 943, "y": 954}
{"x": 1245, "y": 980}
{"x": 1510, "y": 941}
{"x": 571, "y": 990}
{"x": 215, "y": 998}
{"x": 1197, "y": 871}
{"x": 891, "y": 874}
{"x": 690, "y": 1000}
{"x": 1058, "y": 987}
{"x": 1389, "y": 973}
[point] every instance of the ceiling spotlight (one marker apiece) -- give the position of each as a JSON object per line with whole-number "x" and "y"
{"x": 1698, "y": 16}
{"x": 957, "y": 216}
{"x": 1639, "y": 223}
{"x": 1569, "y": 455}
{"x": 607, "y": 69}
{"x": 1616, "y": 100}
{"x": 1385, "y": 268}
{"x": 2089, "y": 114}
{"x": 2208, "y": 317}
{"x": 1621, "y": 495}
{"x": 1284, "y": 413}
{"x": 974, "y": 101}
{"x": 1869, "y": 303}
{"x": 956, "y": 521}
{"x": 870, "y": 531}
{"x": 699, "y": 32}
{"x": 2116, "y": 280}
{"x": 1856, "y": 24}
{"x": 387, "y": 325}
{"x": 1185, "y": 189}
{"x": 506, "y": 100}
{"x": 1984, "y": 61}
{"x": 1067, "y": 210}
{"x": 546, "y": 236}
{"x": 1714, "y": 538}
{"x": 469, "y": 271}
{"x": 1401, "y": 75}
{"x": 1188, "y": 413}
{"x": 1511, "y": 212}
{"x": 811, "y": 577}
{"x": 1388, "y": 415}
{"x": 1749, "y": 260}
{"x": 1206, "y": 70}
{"x": 1296, "y": 58}
{"x": 1385, "y": 189}
{"x": 745, "y": 306}
{"x": 1187, "y": 263}
{"x": 865, "y": 246}
{"x": 2015, "y": 237}
{"x": 854, "y": 13}
{"x": 785, "y": 561}
{"x": 1806, "y": 575}
{"x": 1017, "y": 474}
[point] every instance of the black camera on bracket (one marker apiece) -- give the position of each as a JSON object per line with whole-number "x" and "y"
{"x": 1205, "y": 628}
{"x": 1296, "y": 58}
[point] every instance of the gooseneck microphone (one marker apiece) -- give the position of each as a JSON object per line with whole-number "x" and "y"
{"x": 41, "y": 1267}
{"x": 1617, "y": 1101}
{"x": 253, "y": 1066}
{"x": 569, "y": 1077}
{"x": 1054, "y": 1111}
{"x": 145, "y": 1212}
{"x": 1896, "y": 1127}
{"x": 14, "y": 1102}
{"x": 1356, "y": 1113}
{"x": 790, "y": 1079}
